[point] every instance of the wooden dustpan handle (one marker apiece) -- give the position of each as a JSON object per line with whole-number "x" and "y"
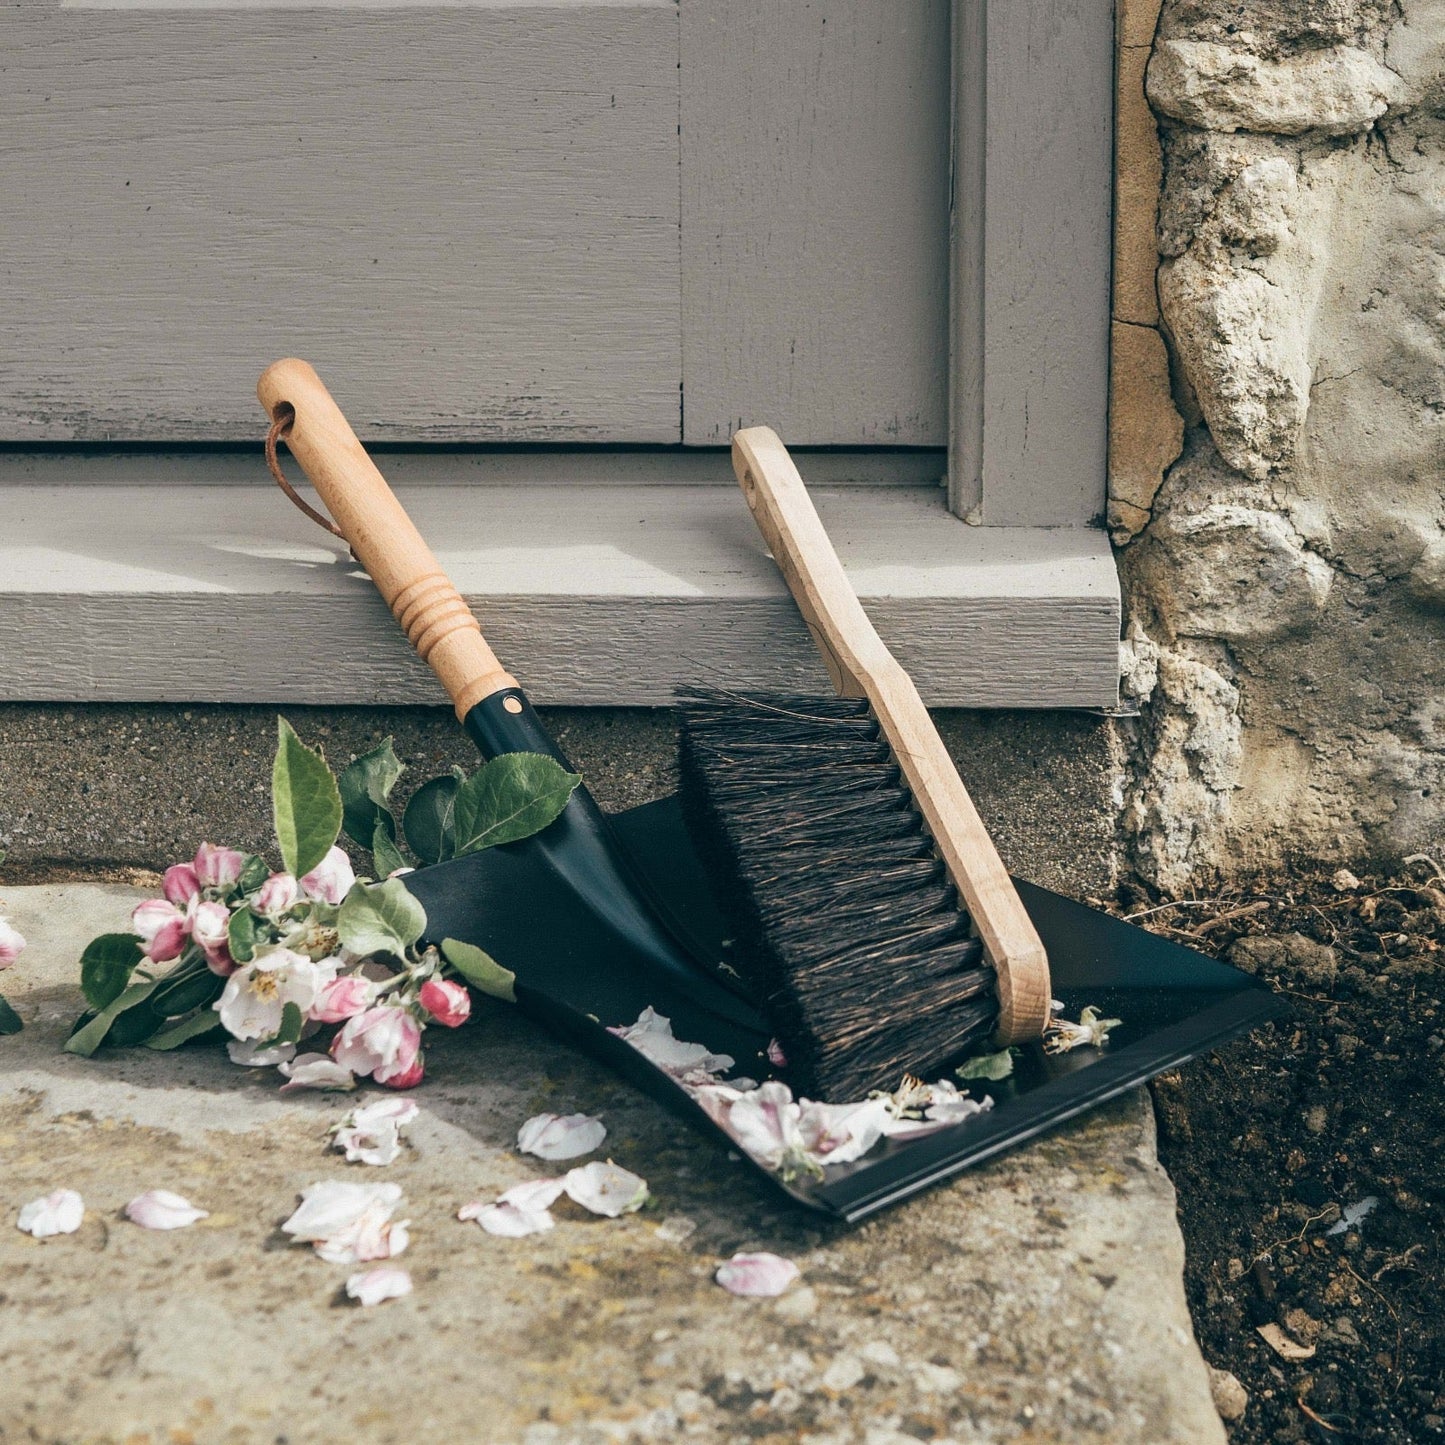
{"x": 432, "y": 613}
{"x": 863, "y": 667}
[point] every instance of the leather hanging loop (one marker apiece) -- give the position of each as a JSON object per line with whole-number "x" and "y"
{"x": 279, "y": 429}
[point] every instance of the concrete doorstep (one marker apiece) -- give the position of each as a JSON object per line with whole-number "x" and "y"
{"x": 1038, "y": 1298}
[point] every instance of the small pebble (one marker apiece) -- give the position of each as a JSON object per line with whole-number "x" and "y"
{"x": 1231, "y": 1399}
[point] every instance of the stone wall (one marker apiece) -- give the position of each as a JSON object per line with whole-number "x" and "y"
{"x": 1285, "y": 565}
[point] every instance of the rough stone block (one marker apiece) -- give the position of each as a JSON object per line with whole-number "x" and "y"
{"x": 1146, "y": 433}
{"x": 1339, "y": 91}
{"x": 1040, "y": 1296}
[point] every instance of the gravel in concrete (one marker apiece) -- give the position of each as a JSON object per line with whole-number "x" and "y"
{"x": 1035, "y": 1299}
{"x": 139, "y": 785}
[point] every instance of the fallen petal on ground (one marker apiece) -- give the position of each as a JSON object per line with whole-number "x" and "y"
{"x": 160, "y": 1209}
{"x": 372, "y": 1286}
{"x": 760, "y": 1276}
{"x": 58, "y": 1212}
{"x": 561, "y": 1136}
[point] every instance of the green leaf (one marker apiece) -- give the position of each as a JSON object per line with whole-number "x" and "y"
{"x": 365, "y": 785}
{"x": 254, "y": 872}
{"x": 204, "y": 1022}
{"x": 988, "y": 1066}
{"x": 305, "y": 801}
{"x": 511, "y": 797}
{"x": 386, "y": 856}
{"x": 179, "y": 993}
{"x": 480, "y": 969}
{"x": 428, "y": 820}
{"x": 10, "y": 1021}
{"x": 241, "y": 935}
{"x": 106, "y": 967}
{"x": 85, "y": 1040}
{"x": 380, "y": 918}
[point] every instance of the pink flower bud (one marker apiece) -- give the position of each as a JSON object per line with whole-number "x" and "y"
{"x": 217, "y": 867}
{"x": 384, "y": 1042}
{"x": 209, "y": 923}
{"x": 12, "y": 944}
{"x": 161, "y": 927}
{"x": 181, "y": 884}
{"x": 406, "y": 1079}
{"x": 278, "y": 894}
{"x": 331, "y": 879}
{"x": 448, "y": 1003}
{"x": 341, "y": 999}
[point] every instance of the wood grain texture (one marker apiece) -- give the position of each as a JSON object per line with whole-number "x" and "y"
{"x": 383, "y": 539}
{"x": 1032, "y": 338}
{"x": 815, "y": 219}
{"x": 592, "y": 595}
{"x": 861, "y": 666}
{"x": 472, "y": 211}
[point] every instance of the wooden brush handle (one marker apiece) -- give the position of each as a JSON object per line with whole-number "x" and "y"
{"x": 432, "y": 613}
{"x": 863, "y": 667}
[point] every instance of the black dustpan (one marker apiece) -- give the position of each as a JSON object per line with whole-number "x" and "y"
{"x": 1175, "y": 1003}
{"x": 603, "y": 917}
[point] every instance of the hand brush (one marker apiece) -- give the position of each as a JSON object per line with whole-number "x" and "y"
{"x": 874, "y": 915}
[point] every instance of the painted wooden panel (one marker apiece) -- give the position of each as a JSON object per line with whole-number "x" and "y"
{"x": 590, "y": 595}
{"x": 815, "y": 154}
{"x": 1034, "y": 111}
{"x": 469, "y": 212}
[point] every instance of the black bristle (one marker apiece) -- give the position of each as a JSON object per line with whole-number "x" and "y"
{"x": 848, "y": 923}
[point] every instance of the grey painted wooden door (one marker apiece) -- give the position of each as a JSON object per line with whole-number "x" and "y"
{"x": 562, "y": 222}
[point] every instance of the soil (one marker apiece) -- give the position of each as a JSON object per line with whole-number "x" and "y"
{"x": 1279, "y": 1139}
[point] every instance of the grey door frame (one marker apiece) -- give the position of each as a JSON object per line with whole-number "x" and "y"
{"x": 1031, "y": 253}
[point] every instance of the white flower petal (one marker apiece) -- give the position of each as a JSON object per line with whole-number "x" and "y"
{"x": 379, "y": 1145}
{"x": 59, "y": 1212}
{"x": 160, "y": 1209}
{"x": 510, "y": 1222}
{"x": 245, "y": 1052}
{"x": 652, "y": 1036}
{"x": 606, "y": 1189}
{"x": 764, "y": 1122}
{"x": 391, "y": 1109}
{"x": 314, "y": 1071}
{"x": 757, "y": 1275}
{"x": 347, "y": 1222}
{"x": 384, "y": 1282}
{"x": 561, "y": 1136}
{"x": 840, "y": 1133}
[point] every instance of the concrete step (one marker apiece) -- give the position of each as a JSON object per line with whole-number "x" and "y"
{"x": 1039, "y": 1297}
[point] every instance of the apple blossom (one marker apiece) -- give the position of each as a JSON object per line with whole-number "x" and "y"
{"x": 372, "y": 1286}
{"x": 384, "y": 1042}
{"x": 1060, "y": 1036}
{"x": 840, "y": 1133}
{"x": 12, "y": 943}
{"x": 448, "y": 1003}
{"x": 161, "y": 927}
{"x": 208, "y": 924}
{"x": 523, "y": 1209}
{"x": 561, "y": 1136}
{"x": 315, "y": 1071}
{"x": 652, "y": 1037}
{"x": 331, "y": 879}
{"x": 59, "y": 1212}
{"x": 348, "y": 1223}
{"x": 759, "y": 1275}
{"x": 371, "y": 1134}
{"x": 254, "y": 1000}
{"x": 180, "y": 884}
{"x": 277, "y": 895}
{"x": 606, "y": 1189}
{"x": 160, "y": 1209}
{"x": 217, "y": 867}
{"x": 341, "y": 999}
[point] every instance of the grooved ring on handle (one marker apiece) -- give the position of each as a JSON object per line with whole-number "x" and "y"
{"x": 429, "y": 609}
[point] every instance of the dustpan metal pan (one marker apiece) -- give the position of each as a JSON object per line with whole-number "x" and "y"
{"x": 1174, "y": 1003}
